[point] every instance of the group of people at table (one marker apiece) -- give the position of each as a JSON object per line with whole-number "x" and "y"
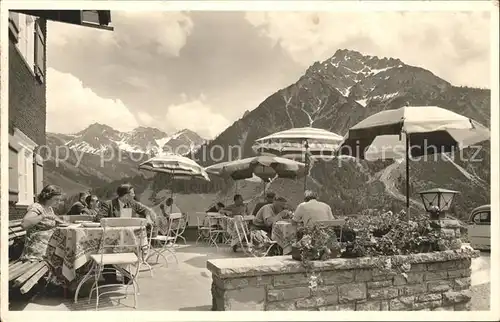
{"x": 274, "y": 209}
{"x": 40, "y": 220}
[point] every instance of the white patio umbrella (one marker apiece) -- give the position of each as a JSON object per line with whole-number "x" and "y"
{"x": 306, "y": 143}
{"x": 411, "y": 131}
{"x": 176, "y": 166}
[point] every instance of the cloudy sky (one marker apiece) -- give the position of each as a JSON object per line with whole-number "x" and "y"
{"x": 203, "y": 70}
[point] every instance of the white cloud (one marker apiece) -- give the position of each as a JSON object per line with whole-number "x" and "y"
{"x": 71, "y": 106}
{"x": 167, "y": 31}
{"x": 145, "y": 118}
{"x": 450, "y": 44}
{"x": 197, "y": 116}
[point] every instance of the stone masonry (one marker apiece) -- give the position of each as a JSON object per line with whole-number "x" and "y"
{"x": 434, "y": 281}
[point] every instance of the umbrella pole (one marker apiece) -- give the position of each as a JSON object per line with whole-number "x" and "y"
{"x": 172, "y": 191}
{"x": 407, "y": 177}
{"x": 307, "y": 165}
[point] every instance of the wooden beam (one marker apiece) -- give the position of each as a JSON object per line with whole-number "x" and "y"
{"x": 14, "y": 265}
{"x": 23, "y": 278}
{"x": 91, "y": 25}
{"x": 20, "y": 270}
{"x": 34, "y": 279}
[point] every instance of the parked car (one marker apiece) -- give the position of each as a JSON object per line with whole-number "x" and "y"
{"x": 479, "y": 229}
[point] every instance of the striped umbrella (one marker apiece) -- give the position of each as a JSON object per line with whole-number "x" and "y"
{"x": 176, "y": 166}
{"x": 300, "y": 143}
{"x": 264, "y": 167}
{"x": 411, "y": 131}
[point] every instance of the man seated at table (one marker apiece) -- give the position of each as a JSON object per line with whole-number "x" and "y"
{"x": 80, "y": 207}
{"x": 112, "y": 209}
{"x": 311, "y": 210}
{"x": 269, "y": 200}
{"x": 216, "y": 208}
{"x": 269, "y": 214}
{"x": 237, "y": 208}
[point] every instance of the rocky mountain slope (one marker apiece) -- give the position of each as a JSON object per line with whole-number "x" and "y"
{"x": 341, "y": 91}
{"x": 100, "y": 154}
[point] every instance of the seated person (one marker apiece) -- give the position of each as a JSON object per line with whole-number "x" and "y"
{"x": 311, "y": 210}
{"x": 169, "y": 207}
{"x": 269, "y": 199}
{"x": 92, "y": 202}
{"x": 80, "y": 207}
{"x": 269, "y": 214}
{"x": 238, "y": 207}
{"x": 216, "y": 208}
{"x": 112, "y": 209}
{"x": 40, "y": 222}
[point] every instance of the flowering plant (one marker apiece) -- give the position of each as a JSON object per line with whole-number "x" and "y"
{"x": 316, "y": 243}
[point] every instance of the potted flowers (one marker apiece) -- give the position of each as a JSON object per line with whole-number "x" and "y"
{"x": 316, "y": 243}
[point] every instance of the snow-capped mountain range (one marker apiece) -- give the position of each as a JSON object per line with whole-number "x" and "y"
{"x": 334, "y": 94}
{"x": 98, "y": 138}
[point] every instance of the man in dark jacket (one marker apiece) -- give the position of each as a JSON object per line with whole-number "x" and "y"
{"x": 112, "y": 209}
{"x": 80, "y": 207}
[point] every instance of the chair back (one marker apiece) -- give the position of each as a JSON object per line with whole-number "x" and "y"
{"x": 200, "y": 218}
{"x": 183, "y": 223}
{"x": 123, "y": 222}
{"x": 175, "y": 223}
{"x": 241, "y": 231}
{"x": 74, "y": 218}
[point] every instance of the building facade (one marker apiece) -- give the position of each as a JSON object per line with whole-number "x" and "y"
{"x": 27, "y": 109}
{"x": 27, "y": 97}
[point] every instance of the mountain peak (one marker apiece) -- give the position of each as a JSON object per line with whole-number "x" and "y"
{"x": 374, "y": 62}
{"x": 96, "y": 128}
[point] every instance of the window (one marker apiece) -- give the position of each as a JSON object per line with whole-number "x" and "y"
{"x": 30, "y": 41}
{"x": 13, "y": 179}
{"x": 26, "y": 39}
{"x": 482, "y": 218}
{"x": 25, "y": 171}
{"x": 39, "y": 52}
{"x": 14, "y": 25}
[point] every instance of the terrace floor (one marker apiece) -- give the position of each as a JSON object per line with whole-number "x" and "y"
{"x": 186, "y": 286}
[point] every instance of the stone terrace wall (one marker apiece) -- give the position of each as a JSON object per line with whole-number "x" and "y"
{"x": 435, "y": 281}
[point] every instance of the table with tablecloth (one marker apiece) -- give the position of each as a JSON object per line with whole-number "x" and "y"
{"x": 70, "y": 247}
{"x": 285, "y": 234}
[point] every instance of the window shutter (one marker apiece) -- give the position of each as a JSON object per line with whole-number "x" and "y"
{"x": 38, "y": 174}
{"x": 14, "y": 26}
{"x": 13, "y": 175}
{"x": 39, "y": 52}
